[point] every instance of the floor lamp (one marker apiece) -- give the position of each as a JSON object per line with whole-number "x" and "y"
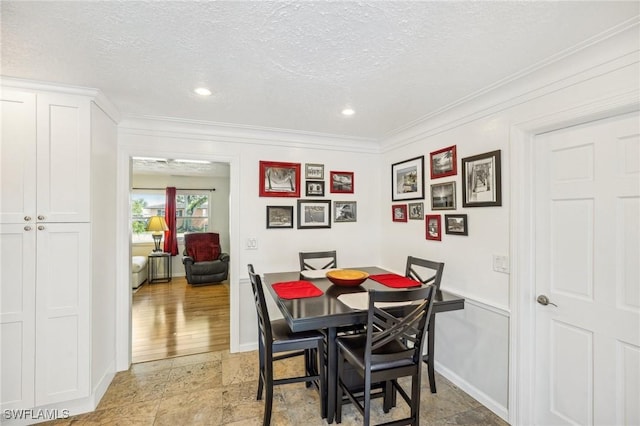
{"x": 157, "y": 225}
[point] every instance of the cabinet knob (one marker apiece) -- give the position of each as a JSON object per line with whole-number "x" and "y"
{"x": 40, "y": 217}
{"x": 27, "y": 218}
{"x": 41, "y": 228}
{"x": 27, "y": 228}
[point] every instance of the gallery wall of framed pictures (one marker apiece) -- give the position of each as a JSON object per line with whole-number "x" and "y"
{"x": 480, "y": 187}
{"x": 281, "y": 179}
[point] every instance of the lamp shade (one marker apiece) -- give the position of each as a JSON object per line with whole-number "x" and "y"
{"x": 157, "y": 224}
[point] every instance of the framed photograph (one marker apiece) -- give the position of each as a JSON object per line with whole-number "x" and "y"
{"x": 481, "y": 181}
{"x": 416, "y": 211}
{"x": 455, "y": 224}
{"x": 279, "y": 217}
{"x": 407, "y": 180}
{"x": 444, "y": 162}
{"x": 443, "y": 196}
{"x": 344, "y": 211}
{"x": 279, "y": 179}
{"x": 314, "y": 188}
{"x": 314, "y": 171}
{"x": 399, "y": 212}
{"x": 434, "y": 230}
{"x": 342, "y": 182}
{"x": 314, "y": 214}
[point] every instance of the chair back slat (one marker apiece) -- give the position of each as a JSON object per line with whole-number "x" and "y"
{"x": 418, "y": 268}
{"x": 318, "y": 259}
{"x": 264, "y": 323}
{"x": 405, "y": 324}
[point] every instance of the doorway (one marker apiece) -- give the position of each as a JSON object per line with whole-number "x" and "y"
{"x": 526, "y": 369}
{"x": 173, "y": 318}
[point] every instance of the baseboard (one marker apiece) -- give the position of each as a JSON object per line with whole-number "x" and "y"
{"x": 479, "y": 396}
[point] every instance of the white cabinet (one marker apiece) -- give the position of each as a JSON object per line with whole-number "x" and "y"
{"x": 45, "y": 157}
{"x": 45, "y": 263}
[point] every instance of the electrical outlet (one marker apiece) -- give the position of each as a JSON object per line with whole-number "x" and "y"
{"x": 501, "y": 263}
{"x": 252, "y": 244}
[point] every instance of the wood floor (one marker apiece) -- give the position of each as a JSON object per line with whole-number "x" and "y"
{"x": 175, "y": 319}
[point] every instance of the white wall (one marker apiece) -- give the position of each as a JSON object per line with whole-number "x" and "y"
{"x": 475, "y": 348}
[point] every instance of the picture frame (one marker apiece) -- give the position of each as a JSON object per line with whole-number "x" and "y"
{"x": 416, "y": 211}
{"x": 341, "y": 182}
{"x": 443, "y": 196}
{"x": 314, "y": 171}
{"x": 278, "y": 179}
{"x": 399, "y": 212}
{"x": 443, "y": 162}
{"x": 481, "y": 180}
{"x": 313, "y": 214}
{"x": 345, "y": 211}
{"x": 433, "y": 227}
{"x": 314, "y": 188}
{"x": 456, "y": 224}
{"x": 407, "y": 179}
{"x": 279, "y": 217}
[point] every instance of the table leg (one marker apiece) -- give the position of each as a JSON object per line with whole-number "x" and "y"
{"x": 332, "y": 373}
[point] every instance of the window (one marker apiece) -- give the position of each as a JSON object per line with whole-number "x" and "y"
{"x": 192, "y": 212}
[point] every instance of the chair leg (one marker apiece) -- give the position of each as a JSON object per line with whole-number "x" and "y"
{"x": 388, "y": 396}
{"x": 261, "y": 371}
{"x": 367, "y": 399}
{"x": 268, "y": 401}
{"x": 415, "y": 398}
{"x": 338, "y": 415}
{"x": 323, "y": 378}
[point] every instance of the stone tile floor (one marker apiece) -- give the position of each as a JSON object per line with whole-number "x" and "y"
{"x": 219, "y": 388}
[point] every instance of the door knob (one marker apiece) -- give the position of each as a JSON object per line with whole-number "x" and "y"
{"x": 27, "y": 228}
{"x": 544, "y": 300}
{"x": 40, "y": 217}
{"x": 27, "y": 218}
{"x": 41, "y": 228}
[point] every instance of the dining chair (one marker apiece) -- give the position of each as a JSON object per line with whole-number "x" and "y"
{"x": 316, "y": 260}
{"x": 417, "y": 269}
{"x": 276, "y": 337}
{"x": 390, "y": 349}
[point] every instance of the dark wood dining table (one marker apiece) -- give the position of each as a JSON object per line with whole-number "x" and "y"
{"x": 326, "y": 312}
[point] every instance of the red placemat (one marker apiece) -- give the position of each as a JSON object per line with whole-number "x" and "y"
{"x": 296, "y": 289}
{"x": 395, "y": 281}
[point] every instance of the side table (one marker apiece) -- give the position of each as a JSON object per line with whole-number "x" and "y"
{"x": 159, "y": 267}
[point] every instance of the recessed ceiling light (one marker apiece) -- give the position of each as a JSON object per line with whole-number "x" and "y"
{"x": 192, "y": 161}
{"x": 202, "y": 91}
{"x": 348, "y": 111}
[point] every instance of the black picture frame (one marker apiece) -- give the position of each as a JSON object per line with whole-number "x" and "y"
{"x": 314, "y": 214}
{"x": 279, "y": 217}
{"x": 345, "y": 211}
{"x": 314, "y": 188}
{"x": 481, "y": 180}
{"x": 456, "y": 224}
{"x": 407, "y": 180}
{"x": 416, "y": 211}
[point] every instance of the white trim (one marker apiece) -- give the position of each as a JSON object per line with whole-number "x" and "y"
{"x": 522, "y": 330}
{"x": 124, "y": 292}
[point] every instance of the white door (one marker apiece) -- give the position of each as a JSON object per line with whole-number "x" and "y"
{"x": 17, "y": 315}
{"x": 63, "y": 322}
{"x": 17, "y": 157}
{"x": 587, "y": 249}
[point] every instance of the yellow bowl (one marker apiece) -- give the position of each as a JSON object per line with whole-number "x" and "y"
{"x": 347, "y": 277}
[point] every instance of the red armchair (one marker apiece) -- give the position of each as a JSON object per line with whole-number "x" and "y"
{"x": 204, "y": 262}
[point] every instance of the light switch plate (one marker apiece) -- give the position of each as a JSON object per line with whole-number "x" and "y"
{"x": 501, "y": 263}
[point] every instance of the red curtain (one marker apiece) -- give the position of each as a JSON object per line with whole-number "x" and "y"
{"x": 170, "y": 236}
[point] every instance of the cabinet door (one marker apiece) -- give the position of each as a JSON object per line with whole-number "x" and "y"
{"x": 63, "y": 155}
{"x": 62, "y": 312}
{"x": 17, "y": 315}
{"x": 17, "y": 156}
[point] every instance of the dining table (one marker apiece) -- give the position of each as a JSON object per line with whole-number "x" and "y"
{"x": 329, "y": 312}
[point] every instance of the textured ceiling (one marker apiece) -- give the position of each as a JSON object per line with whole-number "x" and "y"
{"x": 293, "y": 65}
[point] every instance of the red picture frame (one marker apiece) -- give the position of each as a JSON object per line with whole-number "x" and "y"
{"x": 399, "y": 213}
{"x": 278, "y": 179}
{"x": 433, "y": 225}
{"x": 443, "y": 162}
{"x": 341, "y": 182}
